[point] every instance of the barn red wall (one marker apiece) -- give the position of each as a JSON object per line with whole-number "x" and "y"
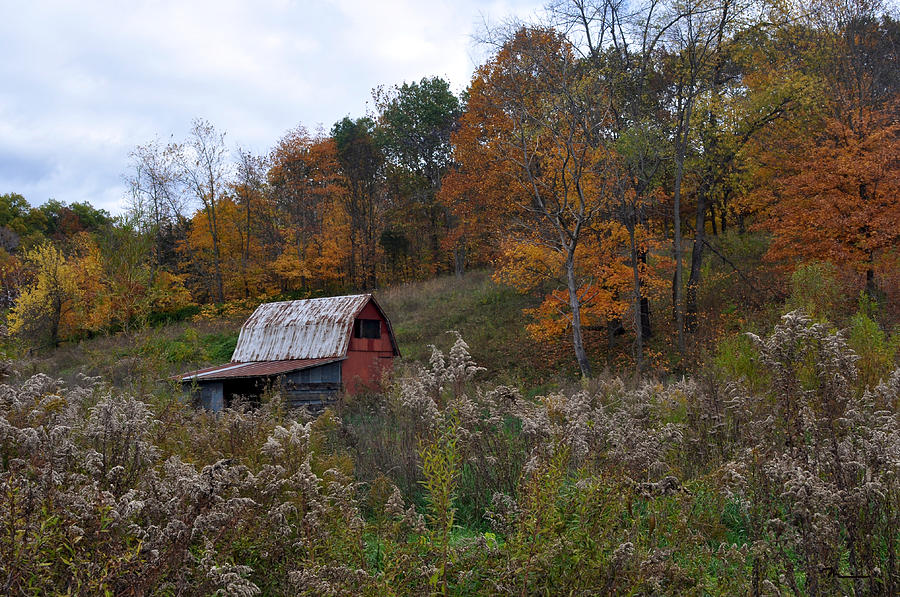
{"x": 367, "y": 358}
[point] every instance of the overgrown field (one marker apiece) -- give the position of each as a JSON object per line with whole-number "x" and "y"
{"x": 780, "y": 477}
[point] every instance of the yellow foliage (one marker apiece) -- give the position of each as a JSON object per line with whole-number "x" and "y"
{"x": 289, "y": 268}
{"x": 244, "y": 272}
{"x": 93, "y": 306}
{"x": 168, "y": 293}
{"x": 237, "y": 309}
{"x": 42, "y": 309}
{"x": 74, "y": 294}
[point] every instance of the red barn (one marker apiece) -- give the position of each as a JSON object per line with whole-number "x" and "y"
{"x": 309, "y": 349}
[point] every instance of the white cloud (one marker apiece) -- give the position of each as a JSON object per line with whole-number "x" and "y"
{"x": 86, "y": 82}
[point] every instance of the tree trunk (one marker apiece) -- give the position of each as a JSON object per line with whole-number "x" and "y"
{"x": 434, "y": 233}
{"x": 680, "y": 151}
{"x": 693, "y": 286}
{"x": 351, "y": 266}
{"x": 55, "y": 318}
{"x": 722, "y": 215}
{"x": 638, "y": 306}
{"x": 214, "y": 231}
{"x": 373, "y": 268}
{"x": 646, "y": 326}
{"x": 870, "y": 282}
{"x": 575, "y": 304}
{"x": 460, "y": 258}
{"x": 246, "y": 257}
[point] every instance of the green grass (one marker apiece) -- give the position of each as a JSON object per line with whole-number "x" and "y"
{"x": 137, "y": 360}
{"x": 489, "y": 317}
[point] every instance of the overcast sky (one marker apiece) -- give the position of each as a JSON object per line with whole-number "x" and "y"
{"x": 83, "y": 83}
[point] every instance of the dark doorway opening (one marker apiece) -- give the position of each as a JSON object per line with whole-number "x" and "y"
{"x": 246, "y": 390}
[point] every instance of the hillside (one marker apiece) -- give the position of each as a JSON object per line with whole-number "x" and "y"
{"x": 489, "y": 317}
{"x": 671, "y": 367}
{"x": 487, "y": 314}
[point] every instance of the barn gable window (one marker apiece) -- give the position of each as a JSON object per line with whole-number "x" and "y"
{"x": 367, "y": 328}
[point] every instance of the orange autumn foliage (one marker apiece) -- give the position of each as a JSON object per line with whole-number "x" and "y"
{"x": 603, "y": 294}
{"x": 838, "y": 198}
{"x": 306, "y": 189}
{"x": 237, "y": 277}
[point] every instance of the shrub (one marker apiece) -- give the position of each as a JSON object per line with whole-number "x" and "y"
{"x": 816, "y": 290}
{"x": 737, "y": 358}
{"x": 817, "y": 473}
{"x": 876, "y": 350}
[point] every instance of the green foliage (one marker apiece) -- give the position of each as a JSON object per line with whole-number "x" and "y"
{"x": 65, "y": 220}
{"x": 876, "y": 349}
{"x": 219, "y": 347}
{"x": 156, "y": 318}
{"x": 14, "y": 211}
{"x": 816, "y": 290}
{"x": 737, "y": 358}
{"x": 191, "y": 347}
{"x": 440, "y": 466}
{"x": 487, "y": 314}
{"x": 29, "y": 224}
{"x": 415, "y": 125}
{"x": 184, "y": 349}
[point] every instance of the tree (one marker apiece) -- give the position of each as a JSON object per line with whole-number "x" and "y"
{"x": 839, "y": 201}
{"x": 741, "y": 102}
{"x": 529, "y": 132}
{"x": 696, "y": 34}
{"x": 158, "y": 202}
{"x": 240, "y": 276}
{"x": 414, "y": 127}
{"x": 202, "y": 168}
{"x": 306, "y": 186}
{"x": 64, "y": 221}
{"x": 44, "y": 303}
{"x": 620, "y": 44}
{"x": 14, "y": 210}
{"x": 361, "y": 163}
{"x": 249, "y": 192}
{"x": 830, "y": 181}
{"x": 91, "y": 286}
{"x": 12, "y": 278}
{"x": 134, "y": 285}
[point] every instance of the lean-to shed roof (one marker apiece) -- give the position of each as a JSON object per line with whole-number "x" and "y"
{"x": 305, "y": 329}
{"x": 263, "y": 369}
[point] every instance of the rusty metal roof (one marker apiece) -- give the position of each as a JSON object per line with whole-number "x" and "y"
{"x": 253, "y": 369}
{"x": 305, "y": 329}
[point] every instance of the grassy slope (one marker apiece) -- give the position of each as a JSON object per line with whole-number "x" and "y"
{"x": 489, "y": 317}
{"x": 136, "y": 360}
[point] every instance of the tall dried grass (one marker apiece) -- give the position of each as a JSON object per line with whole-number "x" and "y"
{"x": 443, "y": 485}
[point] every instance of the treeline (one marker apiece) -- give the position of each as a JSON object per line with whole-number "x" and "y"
{"x": 349, "y": 209}
{"x": 23, "y": 227}
{"x": 67, "y": 271}
{"x": 595, "y": 160}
